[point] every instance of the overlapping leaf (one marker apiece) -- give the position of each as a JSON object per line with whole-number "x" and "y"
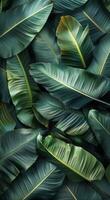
{"x": 74, "y": 41}
{"x": 68, "y": 120}
{"x": 41, "y": 181}
{"x": 17, "y": 153}
{"x": 65, "y": 5}
{"x": 71, "y": 157}
{"x": 21, "y": 29}
{"x": 100, "y": 124}
{"x": 73, "y": 86}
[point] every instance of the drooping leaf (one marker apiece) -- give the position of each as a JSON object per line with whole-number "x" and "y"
{"x": 71, "y": 157}
{"x": 41, "y": 181}
{"x": 45, "y": 46}
{"x": 77, "y": 191}
{"x": 7, "y": 123}
{"x": 28, "y": 19}
{"x": 17, "y": 153}
{"x": 67, "y": 120}
{"x": 74, "y": 42}
{"x": 22, "y": 89}
{"x": 100, "y": 124}
{"x": 97, "y": 15}
{"x": 62, "y": 6}
{"x": 101, "y": 61}
{"x": 73, "y": 86}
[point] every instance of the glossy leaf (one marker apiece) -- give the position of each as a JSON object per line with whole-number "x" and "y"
{"x": 68, "y": 120}
{"x": 26, "y": 22}
{"x": 71, "y": 157}
{"x": 70, "y": 85}
{"x": 41, "y": 181}
{"x": 22, "y": 90}
{"x": 74, "y": 41}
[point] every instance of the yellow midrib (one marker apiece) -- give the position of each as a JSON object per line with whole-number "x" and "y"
{"x": 26, "y": 80}
{"x": 67, "y": 166}
{"x": 23, "y": 21}
{"x": 38, "y": 184}
{"x": 76, "y": 44}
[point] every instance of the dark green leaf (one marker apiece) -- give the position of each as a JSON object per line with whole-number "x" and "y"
{"x": 71, "y": 85}
{"x": 21, "y": 29}
{"x": 41, "y": 182}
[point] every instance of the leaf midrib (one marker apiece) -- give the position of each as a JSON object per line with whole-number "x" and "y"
{"x": 76, "y": 90}
{"x": 39, "y": 184}
{"x": 17, "y": 149}
{"x": 15, "y": 25}
{"x": 67, "y": 166}
{"x": 73, "y": 195}
{"x": 76, "y": 44}
{"x": 26, "y": 80}
{"x": 85, "y": 13}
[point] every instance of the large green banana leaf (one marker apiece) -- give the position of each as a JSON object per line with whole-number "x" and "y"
{"x": 74, "y": 42}
{"x": 68, "y": 120}
{"x": 97, "y": 15}
{"x": 45, "y": 46}
{"x": 40, "y": 182}
{"x": 28, "y": 19}
{"x": 77, "y": 191}
{"x": 65, "y": 5}
{"x": 71, "y": 85}
{"x": 101, "y": 61}
{"x": 17, "y": 153}
{"x": 72, "y": 158}
{"x": 7, "y": 123}
{"x": 22, "y": 89}
{"x": 100, "y": 124}
{"x": 4, "y": 93}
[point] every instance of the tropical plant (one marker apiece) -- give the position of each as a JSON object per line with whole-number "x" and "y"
{"x": 55, "y": 100}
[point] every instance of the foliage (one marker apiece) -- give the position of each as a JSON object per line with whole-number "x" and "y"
{"x": 55, "y": 99}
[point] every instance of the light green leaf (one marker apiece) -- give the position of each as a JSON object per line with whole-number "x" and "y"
{"x": 74, "y": 42}
{"x": 72, "y": 158}
{"x": 22, "y": 89}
